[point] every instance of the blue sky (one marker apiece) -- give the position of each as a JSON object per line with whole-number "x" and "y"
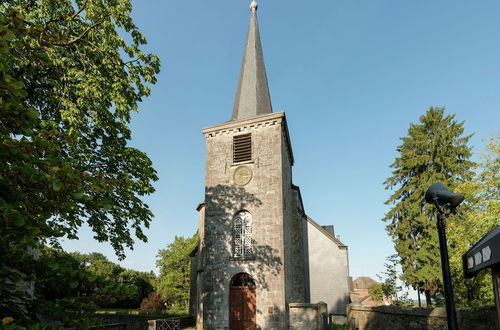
{"x": 351, "y": 76}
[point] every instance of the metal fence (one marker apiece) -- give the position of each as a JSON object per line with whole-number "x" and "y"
{"x": 165, "y": 324}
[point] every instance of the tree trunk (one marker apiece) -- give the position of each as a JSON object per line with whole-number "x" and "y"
{"x": 428, "y": 298}
{"x": 419, "y": 301}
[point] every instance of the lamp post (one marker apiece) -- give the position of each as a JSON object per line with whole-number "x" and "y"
{"x": 438, "y": 195}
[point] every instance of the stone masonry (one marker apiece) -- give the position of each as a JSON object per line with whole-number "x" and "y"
{"x": 269, "y": 199}
{"x": 252, "y": 224}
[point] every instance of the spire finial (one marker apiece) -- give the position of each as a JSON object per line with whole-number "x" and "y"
{"x": 254, "y": 6}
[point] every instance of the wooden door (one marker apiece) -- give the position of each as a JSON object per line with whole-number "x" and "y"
{"x": 242, "y": 310}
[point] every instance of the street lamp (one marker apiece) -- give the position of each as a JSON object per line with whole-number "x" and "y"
{"x": 438, "y": 195}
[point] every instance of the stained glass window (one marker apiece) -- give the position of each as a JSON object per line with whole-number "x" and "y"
{"x": 242, "y": 235}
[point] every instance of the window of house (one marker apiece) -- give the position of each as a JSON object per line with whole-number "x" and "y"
{"x": 242, "y": 148}
{"x": 242, "y": 235}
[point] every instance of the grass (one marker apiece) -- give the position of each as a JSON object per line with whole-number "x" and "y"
{"x": 339, "y": 327}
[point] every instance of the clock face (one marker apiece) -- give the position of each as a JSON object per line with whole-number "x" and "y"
{"x": 242, "y": 175}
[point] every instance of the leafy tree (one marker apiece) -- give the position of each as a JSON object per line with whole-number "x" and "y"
{"x": 172, "y": 285}
{"x": 105, "y": 269}
{"x": 64, "y": 288}
{"x": 66, "y": 282}
{"x": 435, "y": 150}
{"x": 142, "y": 280}
{"x": 480, "y": 214}
{"x": 126, "y": 287}
{"x": 89, "y": 258}
{"x": 376, "y": 292}
{"x": 389, "y": 285}
{"x": 71, "y": 72}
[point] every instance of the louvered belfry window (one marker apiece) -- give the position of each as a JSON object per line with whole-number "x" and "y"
{"x": 242, "y": 148}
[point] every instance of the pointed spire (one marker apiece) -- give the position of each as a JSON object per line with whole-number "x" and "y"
{"x": 252, "y": 96}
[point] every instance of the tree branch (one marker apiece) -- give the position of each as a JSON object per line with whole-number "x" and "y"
{"x": 72, "y": 41}
{"x": 131, "y": 61}
{"x": 79, "y": 11}
{"x": 70, "y": 18}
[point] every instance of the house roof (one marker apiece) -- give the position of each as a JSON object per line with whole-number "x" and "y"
{"x": 363, "y": 283}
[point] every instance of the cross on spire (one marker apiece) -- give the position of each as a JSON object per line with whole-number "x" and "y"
{"x": 254, "y": 6}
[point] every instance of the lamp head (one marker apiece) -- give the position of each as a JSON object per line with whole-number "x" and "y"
{"x": 443, "y": 196}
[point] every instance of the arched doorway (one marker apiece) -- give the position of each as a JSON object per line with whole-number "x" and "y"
{"x": 242, "y": 309}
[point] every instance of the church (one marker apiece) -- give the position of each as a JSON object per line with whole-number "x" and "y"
{"x": 261, "y": 262}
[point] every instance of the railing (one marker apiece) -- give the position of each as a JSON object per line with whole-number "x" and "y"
{"x": 174, "y": 323}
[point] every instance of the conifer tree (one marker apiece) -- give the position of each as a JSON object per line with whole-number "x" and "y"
{"x": 435, "y": 150}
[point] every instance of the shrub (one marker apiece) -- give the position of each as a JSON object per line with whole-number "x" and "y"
{"x": 152, "y": 303}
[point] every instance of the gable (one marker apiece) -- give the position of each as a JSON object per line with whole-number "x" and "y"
{"x": 326, "y": 233}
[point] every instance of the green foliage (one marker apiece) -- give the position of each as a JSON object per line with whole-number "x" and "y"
{"x": 68, "y": 83}
{"x": 116, "y": 295}
{"x": 435, "y": 150}
{"x": 481, "y": 212}
{"x": 141, "y": 280}
{"x": 9, "y": 323}
{"x": 123, "y": 287}
{"x": 69, "y": 288}
{"x": 376, "y": 292}
{"x": 389, "y": 285}
{"x": 63, "y": 288}
{"x": 172, "y": 284}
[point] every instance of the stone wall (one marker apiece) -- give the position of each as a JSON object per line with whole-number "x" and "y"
{"x": 408, "y": 318}
{"x": 193, "y": 285}
{"x": 292, "y": 229}
{"x": 263, "y": 197}
{"x": 136, "y": 322}
{"x": 307, "y": 316}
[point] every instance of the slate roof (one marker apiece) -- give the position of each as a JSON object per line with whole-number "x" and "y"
{"x": 252, "y": 95}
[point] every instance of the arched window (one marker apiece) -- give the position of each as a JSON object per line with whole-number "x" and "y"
{"x": 242, "y": 235}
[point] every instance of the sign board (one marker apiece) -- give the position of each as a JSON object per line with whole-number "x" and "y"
{"x": 484, "y": 254}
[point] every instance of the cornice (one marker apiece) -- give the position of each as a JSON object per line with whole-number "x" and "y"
{"x": 230, "y": 126}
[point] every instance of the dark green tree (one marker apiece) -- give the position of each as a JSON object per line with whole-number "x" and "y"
{"x": 71, "y": 73}
{"x": 64, "y": 288}
{"x": 435, "y": 150}
{"x": 172, "y": 284}
{"x": 134, "y": 285}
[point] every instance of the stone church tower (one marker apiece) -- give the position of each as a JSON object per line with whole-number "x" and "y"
{"x": 251, "y": 262}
